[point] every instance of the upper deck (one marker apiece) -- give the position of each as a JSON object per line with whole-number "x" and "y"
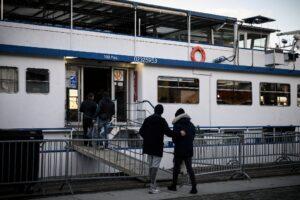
{"x": 130, "y": 31}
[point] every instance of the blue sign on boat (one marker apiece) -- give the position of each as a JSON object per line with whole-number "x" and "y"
{"x": 73, "y": 81}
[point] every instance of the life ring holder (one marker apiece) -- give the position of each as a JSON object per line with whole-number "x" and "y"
{"x": 201, "y": 51}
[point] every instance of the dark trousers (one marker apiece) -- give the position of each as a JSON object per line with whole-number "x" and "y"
{"x": 188, "y": 163}
{"x": 86, "y": 123}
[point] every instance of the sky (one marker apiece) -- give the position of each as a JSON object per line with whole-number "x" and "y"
{"x": 285, "y": 12}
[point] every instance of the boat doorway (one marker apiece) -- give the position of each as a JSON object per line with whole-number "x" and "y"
{"x": 88, "y": 76}
{"x": 96, "y": 81}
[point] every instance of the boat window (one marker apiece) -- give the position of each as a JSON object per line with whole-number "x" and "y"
{"x": 8, "y": 79}
{"x": 298, "y": 96}
{"x": 242, "y": 42}
{"x": 234, "y": 92}
{"x": 224, "y": 37}
{"x": 201, "y": 30}
{"x": 256, "y": 41}
{"x": 37, "y": 80}
{"x": 155, "y": 24}
{"x": 274, "y": 94}
{"x": 178, "y": 90}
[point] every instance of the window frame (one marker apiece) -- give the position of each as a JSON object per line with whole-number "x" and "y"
{"x": 15, "y": 81}
{"x": 233, "y": 89}
{"x": 26, "y": 81}
{"x": 290, "y": 100}
{"x": 178, "y": 88}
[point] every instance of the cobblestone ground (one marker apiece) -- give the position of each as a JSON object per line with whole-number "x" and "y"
{"x": 284, "y": 193}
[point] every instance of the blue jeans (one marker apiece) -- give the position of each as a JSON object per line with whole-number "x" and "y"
{"x": 103, "y": 130}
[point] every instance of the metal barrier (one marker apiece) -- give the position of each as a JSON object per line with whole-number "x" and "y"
{"x": 246, "y": 129}
{"x": 216, "y": 153}
{"x": 38, "y": 161}
{"x": 271, "y": 150}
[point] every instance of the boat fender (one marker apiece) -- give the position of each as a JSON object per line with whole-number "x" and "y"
{"x": 201, "y": 51}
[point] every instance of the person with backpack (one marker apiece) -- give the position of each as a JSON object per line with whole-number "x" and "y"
{"x": 106, "y": 109}
{"x": 152, "y": 131}
{"x": 183, "y": 138}
{"x": 88, "y": 107}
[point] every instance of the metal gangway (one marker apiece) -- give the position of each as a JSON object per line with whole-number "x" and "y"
{"x": 119, "y": 156}
{"x": 124, "y": 159}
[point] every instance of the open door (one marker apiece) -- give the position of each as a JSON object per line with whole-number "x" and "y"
{"x": 72, "y": 95}
{"x": 120, "y": 93}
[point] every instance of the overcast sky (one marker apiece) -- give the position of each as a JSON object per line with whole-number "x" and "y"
{"x": 285, "y": 12}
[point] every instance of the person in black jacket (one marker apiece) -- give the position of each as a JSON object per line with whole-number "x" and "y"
{"x": 88, "y": 107}
{"x": 106, "y": 109}
{"x": 184, "y": 133}
{"x": 152, "y": 131}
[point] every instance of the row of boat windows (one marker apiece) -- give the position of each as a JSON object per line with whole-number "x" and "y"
{"x": 37, "y": 80}
{"x": 229, "y": 92}
{"x": 170, "y": 89}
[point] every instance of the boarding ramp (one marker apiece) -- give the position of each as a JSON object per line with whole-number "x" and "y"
{"x": 123, "y": 155}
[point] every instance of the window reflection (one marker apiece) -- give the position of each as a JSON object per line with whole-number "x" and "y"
{"x": 274, "y": 94}
{"x": 73, "y": 99}
{"x": 178, "y": 90}
{"x": 8, "y": 79}
{"x": 37, "y": 80}
{"x": 223, "y": 37}
{"x": 257, "y": 41}
{"x": 234, "y": 92}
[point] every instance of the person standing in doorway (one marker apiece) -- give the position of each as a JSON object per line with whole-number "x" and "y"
{"x": 152, "y": 131}
{"x": 88, "y": 107}
{"x": 106, "y": 109}
{"x": 183, "y": 137}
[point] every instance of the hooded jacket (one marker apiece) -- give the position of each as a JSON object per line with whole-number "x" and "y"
{"x": 106, "y": 109}
{"x": 152, "y": 131}
{"x": 183, "y": 144}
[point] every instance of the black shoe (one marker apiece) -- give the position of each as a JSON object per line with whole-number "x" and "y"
{"x": 172, "y": 187}
{"x": 194, "y": 190}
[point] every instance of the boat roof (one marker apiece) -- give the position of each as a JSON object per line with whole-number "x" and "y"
{"x": 117, "y": 16}
{"x": 258, "y": 20}
{"x": 258, "y": 29}
{"x": 192, "y": 13}
{"x": 90, "y": 13}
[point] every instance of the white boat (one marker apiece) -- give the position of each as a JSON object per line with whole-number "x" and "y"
{"x": 219, "y": 69}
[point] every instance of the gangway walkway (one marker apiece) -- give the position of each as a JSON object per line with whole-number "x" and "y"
{"x": 121, "y": 161}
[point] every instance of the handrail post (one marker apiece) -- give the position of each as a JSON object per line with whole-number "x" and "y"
{"x": 242, "y": 153}
{"x": 2, "y": 9}
{"x": 67, "y": 160}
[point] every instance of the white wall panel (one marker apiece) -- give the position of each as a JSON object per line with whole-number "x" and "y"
{"x": 208, "y": 112}
{"x": 28, "y": 110}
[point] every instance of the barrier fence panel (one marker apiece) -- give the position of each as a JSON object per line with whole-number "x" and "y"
{"x": 19, "y": 161}
{"x": 33, "y": 161}
{"x": 271, "y": 150}
{"x": 216, "y": 153}
{"x": 53, "y": 160}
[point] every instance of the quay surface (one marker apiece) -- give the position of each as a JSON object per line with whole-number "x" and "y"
{"x": 282, "y": 187}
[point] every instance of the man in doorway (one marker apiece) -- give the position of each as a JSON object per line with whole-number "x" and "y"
{"x": 88, "y": 107}
{"x": 152, "y": 131}
{"x": 106, "y": 109}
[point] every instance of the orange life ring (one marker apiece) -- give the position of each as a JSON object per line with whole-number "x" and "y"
{"x": 201, "y": 51}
